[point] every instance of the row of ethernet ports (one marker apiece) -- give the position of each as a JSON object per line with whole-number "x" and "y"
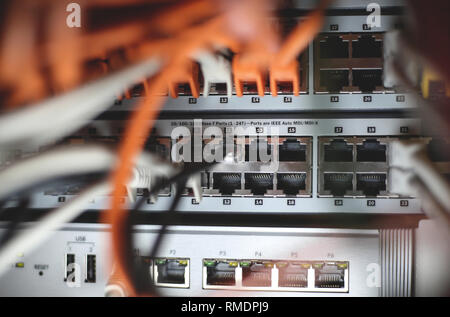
{"x": 252, "y": 275}
{"x": 275, "y": 275}
{"x": 299, "y": 149}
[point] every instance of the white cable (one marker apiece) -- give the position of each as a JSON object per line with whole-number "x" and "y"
{"x": 59, "y": 116}
{"x": 411, "y": 161}
{"x": 39, "y": 232}
{"x": 216, "y": 69}
{"x": 67, "y": 161}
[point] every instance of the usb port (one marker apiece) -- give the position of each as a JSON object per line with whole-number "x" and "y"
{"x": 70, "y": 268}
{"x": 91, "y": 274}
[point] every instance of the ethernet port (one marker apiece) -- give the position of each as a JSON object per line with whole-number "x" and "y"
{"x": 367, "y": 47}
{"x": 330, "y": 275}
{"x": 333, "y": 80}
{"x": 256, "y": 273}
{"x": 367, "y": 80}
{"x": 439, "y": 150}
{"x": 258, "y": 183}
{"x": 333, "y": 47}
{"x": 291, "y": 183}
{"x": 371, "y": 184}
{"x": 338, "y": 183}
{"x": 158, "y": 146}
{"x": 292, "y": 274}
{"x": 227, "y": 183}
{"x": 371, "y": 151}
{"x": 171, "y": 271}
{"x": 254, "y": 150}
{"x": 222, "y": 273}
{"x": 338, "y": 151}
{"x": 291, "y": 150}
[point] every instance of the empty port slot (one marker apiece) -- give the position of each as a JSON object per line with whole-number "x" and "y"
{"x": 254, "y": 150}
{"x": 338, "y": 151}
{"x": 171, "y": 271}
{"x": 371, "y": 151}
{"x": 259, "y": 183}
{"x": 91, "y": 268}
{"x": 329, "y": 275}
{"x": 367, "y": 80}
{"x": 70, "y": 267}
{"x": 157, "y": 147}
{"x": 226, "y": 183}
{"x": 256, "y": 273}
{"x": 220, "y": 273}
{"x": 291, "y": 183}
{"x": 333, "y": 80}
{"x": 371, "y": 184}
{"x": 292, "y": 150}
{"x": 367, "y": 46}
{"x": 292, "y": 274}
{"x": 439, "y": 150}
{"x": 333, "y": 47}
{"x": 338, "y": 183}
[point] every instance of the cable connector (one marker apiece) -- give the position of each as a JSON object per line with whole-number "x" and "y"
{"x": 216, "y": 69}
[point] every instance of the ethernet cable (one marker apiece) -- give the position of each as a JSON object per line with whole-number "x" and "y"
{"x": 413, "y": 174}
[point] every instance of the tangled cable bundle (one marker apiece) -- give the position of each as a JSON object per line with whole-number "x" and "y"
{"x": 45, "y": 59}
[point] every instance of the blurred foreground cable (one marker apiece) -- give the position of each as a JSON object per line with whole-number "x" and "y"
{"x": 57, "y": 117}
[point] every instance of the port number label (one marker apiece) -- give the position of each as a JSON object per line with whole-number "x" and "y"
{"x": 338, "y": 202}
{"x": 400, "y": 98}
{"x": 366, "y": 27}
{"x": 371, "y": 203}
{"x": 149, "y": 201}
{"x": 192, "y": 101}
{"x": 194, "y": 201}
{"x": 223, "y": 99}
{"x": 61, "y": 199}
{"x": 255, "y": 99}
{"x": 227, "y": 201}
{"x": 334, "y": 27}
{"x": 371, "y": 129}
{"x": 259, "y": 130}
{"x": 367, "y": 98}
{"x": 404, "y": 130}
{"x": 291, "y": 202}
{"x": 292, "y": 129}
{"x": 287, "y": 99}
{"x": 404, "y": 203}
{"x": 334, "y": 99}
{"x": 258, "y": 202}
{"x": 338, "y": 129}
